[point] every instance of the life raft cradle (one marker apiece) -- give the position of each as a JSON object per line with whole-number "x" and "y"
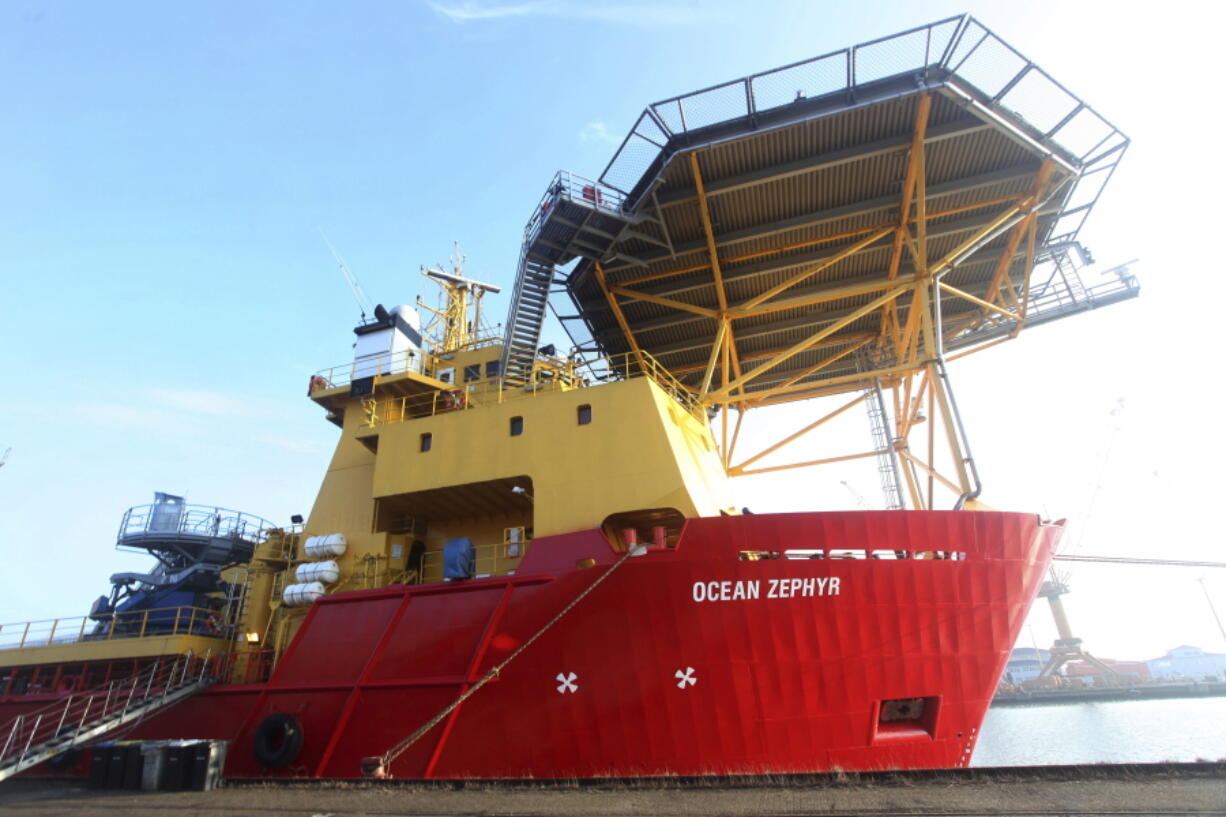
{"x": 379, "y": 766}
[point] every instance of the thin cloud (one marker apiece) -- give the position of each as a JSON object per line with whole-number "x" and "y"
{"x": 466, "y": 12}
{"x": 166, "y": 409}
{"x": 293, "y": 445}
{"x": 198, "y": 401}
{"x": 598, "y": 132}
{"x": 640, "y": 14}
{"x": 118, "y": 415}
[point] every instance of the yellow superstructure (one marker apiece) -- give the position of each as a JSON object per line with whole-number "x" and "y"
{"x": 435, "y": 445}
{"x": 477, "y": 460}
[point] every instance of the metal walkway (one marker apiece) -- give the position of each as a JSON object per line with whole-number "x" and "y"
{"x": 1062, "y": 294}
{"x": 40, "y": 735}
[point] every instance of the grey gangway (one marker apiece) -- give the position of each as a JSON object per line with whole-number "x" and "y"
{"x": 33, "y": 737}
{"x": 576, "y": 218}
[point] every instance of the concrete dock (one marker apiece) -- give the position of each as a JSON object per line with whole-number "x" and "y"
{"x": 1158, "y": 789}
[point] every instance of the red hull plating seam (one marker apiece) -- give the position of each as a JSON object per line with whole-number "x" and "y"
{"x": 686, "y": 661}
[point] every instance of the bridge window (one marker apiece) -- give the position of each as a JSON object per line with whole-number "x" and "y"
{"x": 491, "y": 369}
{"x": 427, "y": 440}
{"x": 585, "y": 414}
{"x": 472, "y": 373}
{"x": 517, "y": 426}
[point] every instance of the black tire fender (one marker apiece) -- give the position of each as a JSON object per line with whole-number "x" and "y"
{"x": 278, "y": 740}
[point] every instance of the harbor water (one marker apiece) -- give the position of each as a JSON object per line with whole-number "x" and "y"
{"x": 1180, "y": 729}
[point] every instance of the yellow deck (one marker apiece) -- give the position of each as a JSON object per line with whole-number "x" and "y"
{"x": 111, "y": 650}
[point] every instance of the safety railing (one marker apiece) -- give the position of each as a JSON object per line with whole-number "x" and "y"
{"x": 1064, "y": 290}
{"x": 375, "y": 571}
{"x": 378, "y": 412}
{"x": 545, "y": 379}
{"x": 390, "y": 364}
{"x": 83, "y": 715}
{"x": 491, "y": 560}
{"x": 641, "y": 364}
{"x": 279, "y": 546}
{"x": 960, "y": 48}
{"x": 1062, "y": 293}
{"x": 246, "y": 666}
{"x": 888, "y": 554}
{"x": 572, "y": 187}
{"x": 164, "y": 520}
{"x": 371, "y": 571}
{"x": 1055, "y": 301}
{"x": 75, "y": 714}
{"x": 159, "y": 623}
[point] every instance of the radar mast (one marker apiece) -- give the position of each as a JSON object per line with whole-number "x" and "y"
{"x": 451, "y": 329}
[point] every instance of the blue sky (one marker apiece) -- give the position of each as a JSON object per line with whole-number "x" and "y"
{"x": 166, "y": 293}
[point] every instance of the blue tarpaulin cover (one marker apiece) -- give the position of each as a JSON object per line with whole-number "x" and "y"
{"x": 459, "y": 559}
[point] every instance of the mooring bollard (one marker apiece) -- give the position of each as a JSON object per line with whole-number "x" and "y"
{"x": 373, "y": 767}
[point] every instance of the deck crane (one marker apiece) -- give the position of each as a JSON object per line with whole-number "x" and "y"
{"x": 1067, "y": 646}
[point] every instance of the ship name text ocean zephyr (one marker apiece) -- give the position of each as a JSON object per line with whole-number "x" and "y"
{"x": 775, "y": 589}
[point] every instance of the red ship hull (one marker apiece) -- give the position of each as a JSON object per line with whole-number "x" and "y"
{"x": 685, "y": 661}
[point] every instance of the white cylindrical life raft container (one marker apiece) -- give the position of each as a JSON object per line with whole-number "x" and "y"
{"x": 325, "y": 547}
{"x": 326, "y": 572}
{"x": 300, "y": 595}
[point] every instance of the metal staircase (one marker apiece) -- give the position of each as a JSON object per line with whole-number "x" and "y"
{"x": 576, "y": 218}
{"x": 33, "y": 737}
{"x": 526, "y": 318}
{"x": 1071, "y": 278}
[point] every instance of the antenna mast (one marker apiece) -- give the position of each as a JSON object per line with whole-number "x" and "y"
{"x": 457, "y": 265}
{"x": 452, "y": 329}
{"x": 354, "y": 287}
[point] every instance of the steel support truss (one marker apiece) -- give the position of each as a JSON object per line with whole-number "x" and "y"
{"x": 906, "y": 353}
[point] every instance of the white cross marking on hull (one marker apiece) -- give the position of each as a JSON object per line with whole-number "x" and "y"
{"x": 567, "y": 682}
{"x": 686, "y": 677}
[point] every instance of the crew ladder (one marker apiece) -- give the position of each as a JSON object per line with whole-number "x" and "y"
{"x": 883, "y": 443}
{"x": 33, "y": 737}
